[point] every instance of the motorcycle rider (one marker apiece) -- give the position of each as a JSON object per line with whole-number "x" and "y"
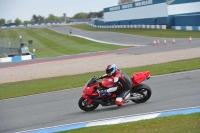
{"x": 119, "y": 78}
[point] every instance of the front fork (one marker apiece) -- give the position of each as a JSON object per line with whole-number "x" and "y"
{"x": 89, "y": 101}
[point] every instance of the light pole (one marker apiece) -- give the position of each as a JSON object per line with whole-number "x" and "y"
{"x": 64, "y": 15}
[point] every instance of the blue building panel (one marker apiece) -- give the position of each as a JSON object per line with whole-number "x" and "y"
{"x": 162, "y": 21}
{"x": 187, "y": 20}
{"x": 147, "y": 21}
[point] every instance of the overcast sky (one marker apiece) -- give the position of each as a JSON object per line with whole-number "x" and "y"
{"x": 24, "y": 9}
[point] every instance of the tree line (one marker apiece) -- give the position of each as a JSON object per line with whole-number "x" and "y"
{"x": 52, "y": 18}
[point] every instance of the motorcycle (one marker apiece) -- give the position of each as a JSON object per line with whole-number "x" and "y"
{"x": 91, "y": 98}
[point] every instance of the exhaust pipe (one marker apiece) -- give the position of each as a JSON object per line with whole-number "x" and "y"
{"x": 135, "y": 97}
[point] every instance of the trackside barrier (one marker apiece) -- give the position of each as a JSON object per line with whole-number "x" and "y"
{"x": 130, "y": 26}
{"x": 42, "y": 24}
{"x": 17, "y": 58}
{"x": 193, "y": 28}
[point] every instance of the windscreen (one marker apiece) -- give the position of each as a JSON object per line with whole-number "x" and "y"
{"x": 92, "y": 82}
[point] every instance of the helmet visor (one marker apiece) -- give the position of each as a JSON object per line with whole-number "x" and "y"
{"x": 109, "y": 71}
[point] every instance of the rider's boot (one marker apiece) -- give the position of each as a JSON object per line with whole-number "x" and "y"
{"x": 119, "y": 101}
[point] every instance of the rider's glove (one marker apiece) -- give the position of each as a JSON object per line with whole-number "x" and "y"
{"x": 97, "y": 78}
{"x": 100, "y": 77}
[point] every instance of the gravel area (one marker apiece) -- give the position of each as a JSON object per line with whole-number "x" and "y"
{"x": 91, "y": 64}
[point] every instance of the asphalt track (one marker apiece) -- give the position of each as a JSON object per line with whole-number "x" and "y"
{"x": 170, "y": 91}
{"x": 121, "y": 38}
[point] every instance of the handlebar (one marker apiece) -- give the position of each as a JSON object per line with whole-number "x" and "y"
{"x": 97, "y": 78}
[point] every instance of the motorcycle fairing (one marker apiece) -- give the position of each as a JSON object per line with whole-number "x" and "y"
{"x": 107, "y": 82}
{"x": 89, "y": 101}
{"x": 138, "y": 77}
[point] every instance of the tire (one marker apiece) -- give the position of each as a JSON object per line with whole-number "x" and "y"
{"x": 144, "y": 91}
{"x": 85, "y": 107}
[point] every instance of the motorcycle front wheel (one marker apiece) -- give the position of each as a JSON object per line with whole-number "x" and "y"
{"x": 83, "y": 104}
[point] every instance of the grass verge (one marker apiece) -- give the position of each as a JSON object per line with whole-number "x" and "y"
{"x": 145, "y": 32}
{"x": 23, "y": 88}
{"x": 50, "y": 44}
{"x": 172, "y": 124}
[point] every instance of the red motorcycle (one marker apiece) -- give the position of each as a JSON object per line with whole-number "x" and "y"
{"x": 91, "y": 97}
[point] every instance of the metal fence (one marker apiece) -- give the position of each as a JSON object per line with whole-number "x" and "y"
{"x": 9, "y": 47}
{"x": 78, "y": 20}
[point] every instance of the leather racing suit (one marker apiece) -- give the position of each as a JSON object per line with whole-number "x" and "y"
{"x": 120, "y": 78}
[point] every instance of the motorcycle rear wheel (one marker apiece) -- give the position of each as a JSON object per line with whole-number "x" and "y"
{"x": 145, "y": 92}
{"x": 85, "y": 107}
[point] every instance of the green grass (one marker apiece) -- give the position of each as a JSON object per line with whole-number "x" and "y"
{"x": 145, "y": 32}
{"x": 171, "y": 124}
{"x": 23, "y": 88}
{"x": 50, "y": 44}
